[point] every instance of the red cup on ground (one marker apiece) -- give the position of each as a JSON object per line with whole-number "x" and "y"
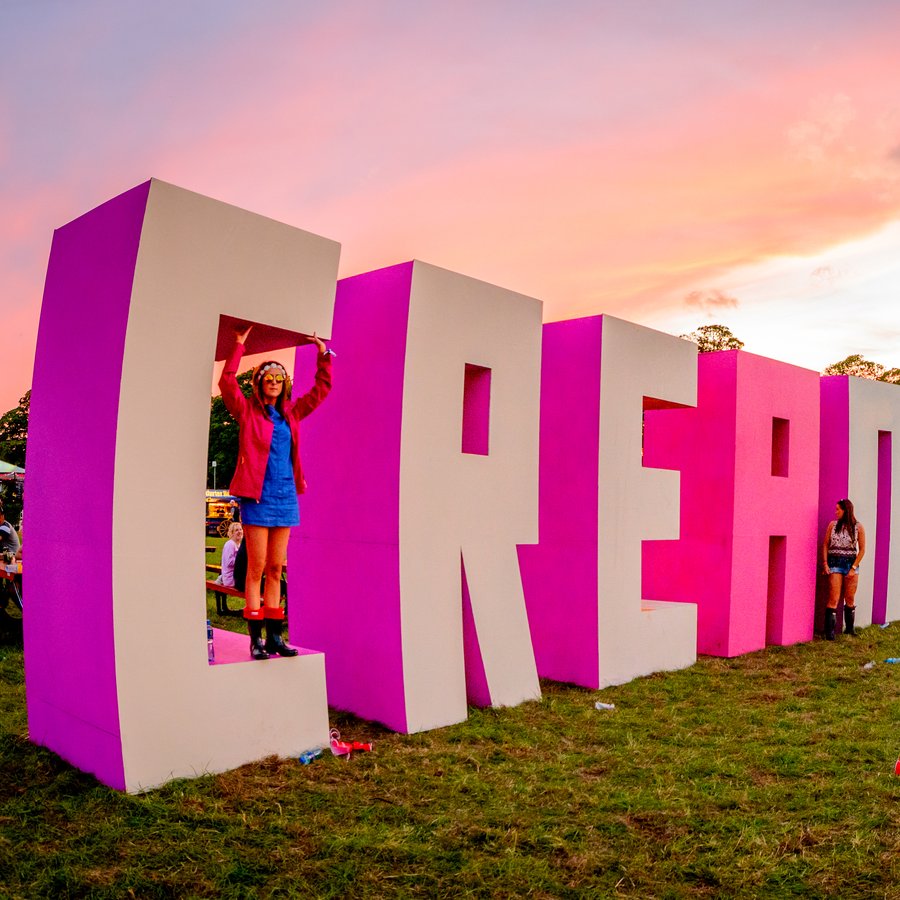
{"x": 897, "y": 767}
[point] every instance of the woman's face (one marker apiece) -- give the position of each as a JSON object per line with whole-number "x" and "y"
{"x": 838, "y": 511}
{"x": 237, "y": 534}
{"x": 272, "y": 385}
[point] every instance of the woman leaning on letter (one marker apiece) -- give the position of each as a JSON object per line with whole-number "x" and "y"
{"x": 842, "y": 551}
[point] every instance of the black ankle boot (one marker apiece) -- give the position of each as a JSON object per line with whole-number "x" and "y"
{"x": 849, "y": 620}
{"x": 830, "y": 621}
{"x": 257, "y": 649}
{"x": 274, "y": 642}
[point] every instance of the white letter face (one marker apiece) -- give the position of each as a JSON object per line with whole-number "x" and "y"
{"x": 455, "y": 502}
{"x": 637, "y": 637}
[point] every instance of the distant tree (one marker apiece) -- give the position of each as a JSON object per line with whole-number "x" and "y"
{"x": 710, "y": 338}
{"x": 863, "y": 368}
{"x": 14, "y": 432}
{"x": 223, "y": 437}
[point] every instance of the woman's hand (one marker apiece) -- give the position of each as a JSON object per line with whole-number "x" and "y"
{"x": 241, "y": 336}
{"x": 320, "y": 344}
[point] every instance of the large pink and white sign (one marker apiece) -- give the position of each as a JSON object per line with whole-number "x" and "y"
{"x": 490, "y": 500}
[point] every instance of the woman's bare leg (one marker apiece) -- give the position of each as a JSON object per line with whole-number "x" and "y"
{"x": 851, "y": 583}
{"x": 835, "y": 582}
{"x": 257, "y": 539}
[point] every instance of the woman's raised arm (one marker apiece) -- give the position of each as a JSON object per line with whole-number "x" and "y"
{"x": 232, "y": 395}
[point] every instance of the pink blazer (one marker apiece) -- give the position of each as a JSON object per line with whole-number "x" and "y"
{"x": 255, "y": 436}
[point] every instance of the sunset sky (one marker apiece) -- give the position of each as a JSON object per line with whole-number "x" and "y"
{"x": 672, "y": 163}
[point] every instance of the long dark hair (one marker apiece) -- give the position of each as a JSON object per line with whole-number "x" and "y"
{"x": 847, "y": 522}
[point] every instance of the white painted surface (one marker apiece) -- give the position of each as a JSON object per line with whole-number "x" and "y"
{"x": 179, "y": 716}
{"x": 635, "y": 503}
{"x": 874, "y": 407}
{"x": 480, "y": 505}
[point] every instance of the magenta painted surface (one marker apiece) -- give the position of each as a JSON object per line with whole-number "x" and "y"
{"x": 559, "y": 574}
{"x": 700, "y": 441}
{"x": 883, "y": 528}
{"x": 478, "y": 692}
{"x": 476, "y": 423}
{"x": 732, "y": 504}
{"x": 231, "y": 647}
{"x": 69, "y": 642}
{"x": 347, "y": 602}
{"x": 776, "y": 587}
{"x": 781, "y": 443}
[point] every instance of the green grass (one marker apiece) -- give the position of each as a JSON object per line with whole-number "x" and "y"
{"x": 770, "y": 775}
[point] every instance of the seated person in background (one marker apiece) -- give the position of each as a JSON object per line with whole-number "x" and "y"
{"x": 9, "y": 538}
{"x": 229, "y": 554}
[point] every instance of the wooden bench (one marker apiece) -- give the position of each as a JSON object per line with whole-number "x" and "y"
{"x": 222, "y": 591}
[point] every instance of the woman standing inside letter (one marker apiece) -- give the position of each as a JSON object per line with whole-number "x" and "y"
{"x": 267, "y": 479}
{"x": 842, "y": 551}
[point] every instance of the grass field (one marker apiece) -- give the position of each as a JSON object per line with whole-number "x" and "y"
{"x": 770, "y": 775}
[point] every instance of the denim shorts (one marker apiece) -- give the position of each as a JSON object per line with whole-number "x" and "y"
{"x": 840, "y": 565}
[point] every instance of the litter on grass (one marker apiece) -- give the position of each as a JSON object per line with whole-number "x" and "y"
{"x": 599, "y": 705}
{"x": 309, "y": 755}
{"x": 869, "y": 665}
{"x": 345, "y": 748}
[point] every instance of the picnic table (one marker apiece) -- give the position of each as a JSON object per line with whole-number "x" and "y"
{"x": 11, "y": 583}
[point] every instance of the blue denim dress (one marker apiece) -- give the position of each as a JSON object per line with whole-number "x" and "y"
{"x": 278, "y": 506}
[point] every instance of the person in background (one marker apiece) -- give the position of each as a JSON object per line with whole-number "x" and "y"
{"x": 10, "y": 546}
{"x": 229, "y": 555}
{"x": 267, "y": 479}
{"x": 842, "y": 551}
{"x": 229, "y": 552}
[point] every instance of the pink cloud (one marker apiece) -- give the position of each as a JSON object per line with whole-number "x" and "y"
{"x": 597, "y": 160}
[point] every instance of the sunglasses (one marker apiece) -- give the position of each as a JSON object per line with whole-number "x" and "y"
{"x": 273, "y": 379}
